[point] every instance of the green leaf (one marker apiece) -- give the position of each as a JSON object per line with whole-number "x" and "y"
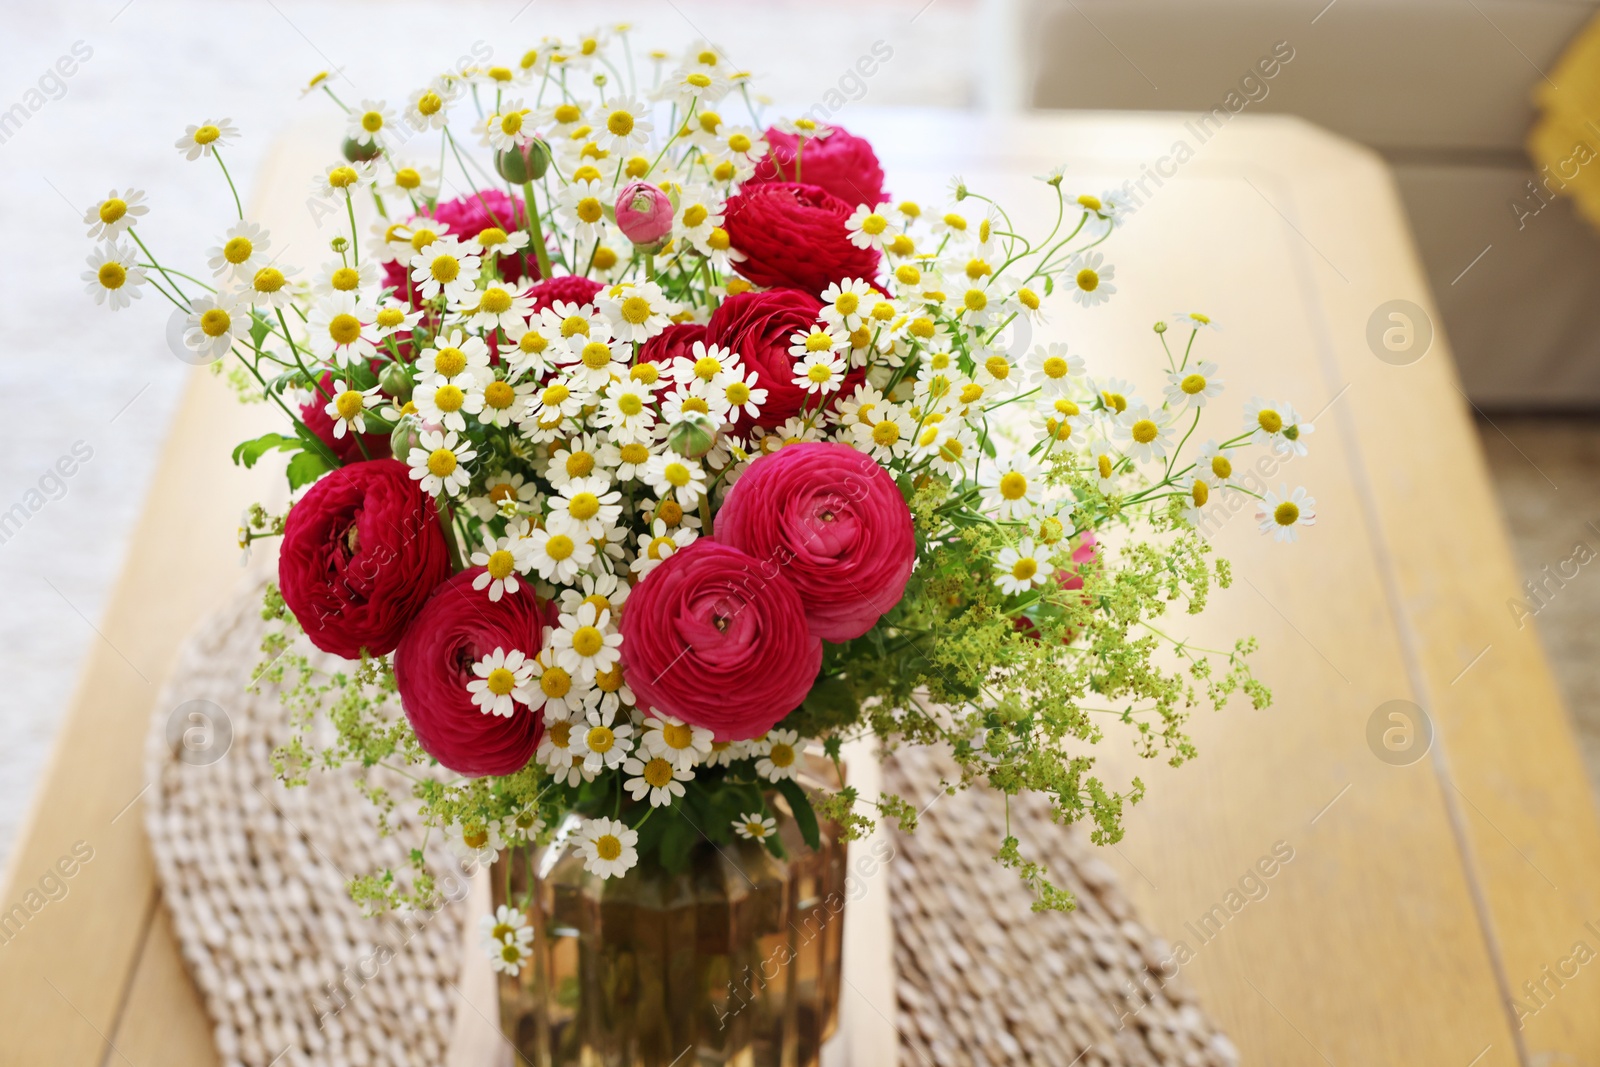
{"x": 259, "y": 328}
{"x": 305, "y": 468}
{"x": 677, "y": 839}
{"x": 248, "y": 452}
{"x": 804, "y": 815}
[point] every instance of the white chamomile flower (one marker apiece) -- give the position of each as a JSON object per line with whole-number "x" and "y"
{"x": 993, "y": 369}
{"x": 558, "y": 557}
{"x": 270, "y": 286}
{"x": 585, "y": 507}
{"x": 210, "y": 327}
{"x": 205, "y": 138}
{"x": 348, "y": 407}
{"x": 658, "y": 545}
{"x": 752, "y": 827}
{"x": 578, "y": 458}
{"x": 111, "y": 217}
{"x": 1052, "y": 368}
{"x": 533, "y": 351}
{"x": 417, "y": 182}
{"x": 585, "y": 643}
{"x": 457, "y": 358}
{"x": 338, "y": 276}
{"x": 338, "y": 329}
{"x": 552, "y": 405}
{"x": 1193, "y": 386}
{"x": 509, "y": 128}
{"x": 502, "y": 402}
{"x": 1265, "y": 420}
{"x": 741, "y": 397}
{"x": 694, "y": 397}
{"x": 428, "y": 108}
{"x": 684, "y": 479}
{"x": 497, "y": 306}
{"x": 604, "y": 742}
{"x": 114, "y": 276}
{"x": 477, "y": 844}
{"x": 507, "y": 939}
{"x": 1214, "y": 463}
{"x": 633, "y": 456}
{"x": 846, "y": 304}
{"x": 370, "y": 124}
{"x": 1021, "y": 568}
{"x": 503, "y": 493}
{"x": 821, "y": 372}
{"x": 343, "y": 180}
{"x": 1292, "y": 438}
{"x": 608, "y": 847}
{"x": 1196, "y": 321}
{"x": 554, "y": 690}
{"x": 950, "y": 447}
{"x": 439, "y": 462}
{"x": 1114, "y": 394}
{"x": 886, "y": 432}
{"x": 583, "y": 204}
{"x": 447, "y": 404}
{"x": 780, "y": 756}
{"x": 725, "y": 752}
{"x": 1091, "y": 279}
{"x": 1279, "y": 513}
{"x": 952, "y": 224}
{"x": 659, "y": 777}
{"x": 1011, "y": 490}
{"x": 1143, "y": 436}
{"x": 626, "y": 125}
{"x": 698, "y": 224}
{"x": 637, "y": 311}
{"x": 870, "y": 228}
{"x": 446, "y": 266}
{"x": 594, "y": 362}
{"x": 688, "y": 88}
{"x": 501, "y": 560}
{"x": 1195, "y": 497}
{"x": 1063, "y": 418}
{"x": 676, "y": 741}
{"x": 628, "y": 411}
{"x": 496, "y": 678}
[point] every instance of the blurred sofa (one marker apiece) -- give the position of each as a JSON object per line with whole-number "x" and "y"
{"x": 1443, "y": 89}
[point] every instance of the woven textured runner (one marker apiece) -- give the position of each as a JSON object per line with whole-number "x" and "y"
{"x": 293, "y": 973}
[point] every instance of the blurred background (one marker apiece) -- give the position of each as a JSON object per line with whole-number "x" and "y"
{"x": 1468, "y": 101}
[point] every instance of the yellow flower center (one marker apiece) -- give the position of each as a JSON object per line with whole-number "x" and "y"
{"x": 975, "y": 300}
{"x": 560, "y": 732}
{"x": 587, "y": 640}
{"x": 511, "y": 123}
{"x": 596, "y": 355}
{"x": 1286, "y": 513}
{"x": 782, "y": 755}
{"x": 407, "y": 178}
{"x": 678, "y": 736}
{"x": 475, "y": 838}
{"x": 737, "y": 393}
{"x": 501, "y": 564}
{"x": 372, "y": 121}
{"x": 604, "y": 258}
{"x": 820, "y": 373}
{"x": 620, "y": 123}
{"x": 874, "y": 224}
{"x": 584, "y": 506}
{"x": 449, "y": 398}
{"x": 112, "y": 210}
{"x": 1028, "y": 298}
{"x": 533, "y": 343}
{"x": 1088, "y": 280}
{"x": 636, "y": 309}
{"x": 441, "y": 462}
{"x": 566, "y": 114}
{"x": 206, "y": 134}
{"x": 344, "y": 328}
{"x": 645, "y": 372}
{"x": 501, "y": 681}
{"x": 606, "y": 846}
{"x": 630, "y": 405}
{"x": 429, "y": 103}
{"x": 268, "y": 280}
{"x": 886, "y": 433}
{"x": 214, "y": 322}
{"x": 1103, "y": 465}
{"x": 1013, "y": 486}
{"x": 739, "y": 143}
{"x": 755, "y": 829}
{"x": 608, "y": 681}
{"x": 1144, "y": 431}
{"x": 1221, "y": 466}
{"x": 670, "y": 512}
{"x": 1193, "y": 383}
{"x": 695, "y": 403}
{"x": 1115, "y": 401}
{"x": 698, "y": 80}
{"x": 343, "y": 177}
{"x": 694, "y": 215}
{"x": 600, "y": 739}
{"x": 819, "y": 342}
{"x": 557, "y": 683}
{"x": 658, "y": 772}
{"x": 676, "y": 474}
{"x": 555, "y": 395}
{"x": 445, "y": 268}
{"x": 955, "y": 222}
{"x": 495, "y": 300}
{"x": 923, "y": 328}
{"x": 345, "y": 279}
{"x": 559, "y": 547}
{"x": 491, "y": 236}
{"x": 449, "y": 362}
{"x": 589, "y": 210}
{"x": 573, "y": 325}
{"x": 421, "y": 239}
{"x": 1200, "y": 494}
{"x": 112, "y": 275}
{"x": 500, "y": 395}
{"x": 1024, "y": 569}
{"x": 710, "y": 121}
{"x": 633, "y": 452}
{"x": 1269, "y": 420}
{"x": 349, "y": 404}
{"x": 389, "y": 318}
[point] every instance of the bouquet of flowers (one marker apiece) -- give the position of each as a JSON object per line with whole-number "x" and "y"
{"x": 670, "y": 447}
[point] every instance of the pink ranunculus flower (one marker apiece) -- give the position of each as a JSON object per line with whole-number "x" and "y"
{"x": 644, "y": 213}
{"x": 832, "y": 520}
{"x": 719, "y": 640}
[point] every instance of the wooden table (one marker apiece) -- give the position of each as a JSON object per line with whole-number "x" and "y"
{"x": 1420, "y": 898}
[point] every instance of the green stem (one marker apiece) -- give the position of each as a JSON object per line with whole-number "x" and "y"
{"x": 236, "y": 203}
{"x": 535, "y": 230}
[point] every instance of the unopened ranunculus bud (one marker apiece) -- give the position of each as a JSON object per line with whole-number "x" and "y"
{"x": 693, "y": 435}
{"x": 524, "y": 163}
{"x": 356, "y": 152}
{"x": 644, "y": 213}
{"x": 395, "y": 379}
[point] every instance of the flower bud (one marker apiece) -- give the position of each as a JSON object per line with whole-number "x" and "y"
{"x": 356, "y": 152}
{"x": 404, "y": 437}
{"x": 644, "y": 213}
{"x": 524, "y": 163}
{"x": 395, "y": 379}
{"x": 693, "y": 435}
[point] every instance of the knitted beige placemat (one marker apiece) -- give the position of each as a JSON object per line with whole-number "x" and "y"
{"x": 292, "y": 973}
{"x": 255, "y": 876}
{"x": 985, "y": 980}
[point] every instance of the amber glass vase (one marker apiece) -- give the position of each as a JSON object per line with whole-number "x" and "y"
{"x": 733, "y": 961}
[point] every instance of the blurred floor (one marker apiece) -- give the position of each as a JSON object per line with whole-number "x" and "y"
{"x": 1546, "y": 472}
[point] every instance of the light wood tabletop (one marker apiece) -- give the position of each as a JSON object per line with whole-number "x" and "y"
{"x": 1434, "y": 894}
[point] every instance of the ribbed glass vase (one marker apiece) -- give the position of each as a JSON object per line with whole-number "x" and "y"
{"x": 734, "y": 961}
